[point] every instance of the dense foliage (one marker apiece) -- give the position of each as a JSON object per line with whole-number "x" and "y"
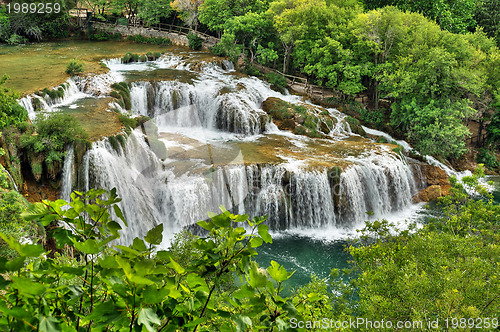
{"x": 51, "y": 136}
{"x": 74, "y": 67}
{"x": 20, "y": 25}
{"x": 11, "y": 113}
{"x": 435, "y": 63}
{"x": 448, "y": 269}
{"x": 108, "y": 286}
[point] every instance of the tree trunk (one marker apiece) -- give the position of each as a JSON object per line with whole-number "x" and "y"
{"x": 480, "y": 134}
{"x": 373, "y": 94}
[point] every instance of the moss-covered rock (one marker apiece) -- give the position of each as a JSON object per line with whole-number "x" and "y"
{"x": 54, "y": 168}
{"x": 307, "y": 120}
{"x": 36, "y": 165}
{"x": 121, "y": 92}
{"x": 355, "y": 126}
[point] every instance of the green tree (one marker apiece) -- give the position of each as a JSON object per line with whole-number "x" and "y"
{"x": 152, "y": 11}
{"x": 446, "y": 270}
{"x": 254, "y": 32}
{"x": 298, "y": 21}
{"x": 11, "y": 113}
{"x": 216, "y": 13}
{"x": 487, "y": 16}
{"x": 328, "y": 57}
{"x": 139, "y": 287}
{"x": 454, "y": 16}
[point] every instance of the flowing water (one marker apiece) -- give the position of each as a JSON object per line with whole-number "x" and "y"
{"x": 209, "y": 143}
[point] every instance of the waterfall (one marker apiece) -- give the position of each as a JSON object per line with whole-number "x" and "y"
{"x": 11, "y": 179}
{"x": 292, "y": 197}
{"x": 380, "y": 184}
{"x": 202, "y": 118}
{"x": 67, "y": 174}
{"x": 27, "y": 103}
{"x": 204, "y": 104}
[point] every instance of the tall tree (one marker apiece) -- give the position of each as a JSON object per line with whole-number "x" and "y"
{"x": 216, "y": 13}
{"x": 188, "y": 11}
{"x": 298, "y": 21}
{"x": 453, "y": 15}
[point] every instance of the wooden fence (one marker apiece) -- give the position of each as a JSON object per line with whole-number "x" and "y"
{"x": 478, "y": 141}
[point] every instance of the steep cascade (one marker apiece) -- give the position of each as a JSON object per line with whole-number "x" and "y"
{"x": 222, "y": 149}
{"x": 292, "y": 197}
{"x": 73, "y": 89}
{"x": 68, "y": 173}
{"x": 202, "y": 104}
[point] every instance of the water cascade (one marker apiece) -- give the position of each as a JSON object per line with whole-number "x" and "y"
{"x": 223, "y": 149}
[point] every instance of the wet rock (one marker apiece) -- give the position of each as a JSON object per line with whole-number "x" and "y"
{"x": 435, "y": 178}
{"x": 435, "y": 175}
{"x": 355, "y": 125}
{"x": 431, "y": 193}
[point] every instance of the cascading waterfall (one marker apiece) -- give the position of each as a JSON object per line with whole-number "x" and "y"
{"x": 380, "y": 184}
{"x": 73, "y": 89}
{"x": 293, "y": 198}
{"x": 68, "y": 173}
{"x": 178, "y": 104}
{"x": 179, "y": 192}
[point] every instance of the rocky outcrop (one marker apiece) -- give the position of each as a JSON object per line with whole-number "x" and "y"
{"x": 431, "y": 193}
{"x": 438, "y": 184}
{"x": 307, "y": 120}
{"x": 435, "y": 175}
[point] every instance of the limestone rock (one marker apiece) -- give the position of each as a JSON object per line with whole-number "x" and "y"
{"x": 431, "y": 193}
{"x": 435, "y": 175}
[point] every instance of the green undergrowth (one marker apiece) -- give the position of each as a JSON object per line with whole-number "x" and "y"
{"x": 204, "y": 283}
{"x": 104, "y": 35}
{"x": 150, "y": 40}
{"x": 45, "y": 143}
{"x": 12, "y": 205}
{"x": 134, "y": 57}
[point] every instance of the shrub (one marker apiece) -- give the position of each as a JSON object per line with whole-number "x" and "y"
{"x": 139, "y": 287}
{"x": 74, "y": 67}
{"x": 12, "y": 205}
{"x": 218, "y": 50}
{"x": 277, "y": 80}
{"x": 16, "y": 40}
{"x": 252, "y": 71}
{"x": 11, "y": 113}
{"x": 195, "y": 41}
{"x": 488, "y": 158}
{"x": 54, "y": 132}
{"x": 127, "y": 58}
{"x": 129, "y": 122}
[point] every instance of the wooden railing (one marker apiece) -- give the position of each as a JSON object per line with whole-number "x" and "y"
{"x": 476, "y": 139}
